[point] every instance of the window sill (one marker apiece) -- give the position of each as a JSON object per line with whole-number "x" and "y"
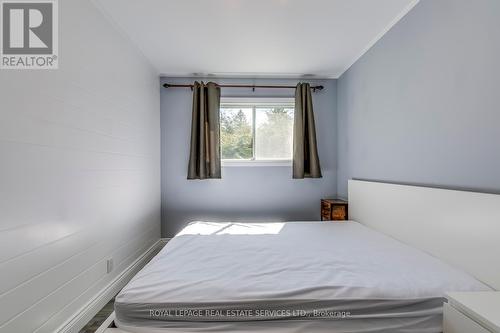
{"x": 257, "y": 163}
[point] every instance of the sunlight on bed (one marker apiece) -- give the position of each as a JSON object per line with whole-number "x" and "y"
{"x": 231, "y": 228}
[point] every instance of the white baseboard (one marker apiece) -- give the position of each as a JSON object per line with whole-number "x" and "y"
{"x": 89, "y": 310}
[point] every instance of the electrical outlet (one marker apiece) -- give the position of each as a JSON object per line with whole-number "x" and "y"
{"x": 109, "y": 265}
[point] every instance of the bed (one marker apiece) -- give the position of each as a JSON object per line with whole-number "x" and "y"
{"x": 288, "y": 277}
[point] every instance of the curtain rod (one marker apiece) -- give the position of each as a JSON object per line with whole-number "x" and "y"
{"x": 253, "y": 86}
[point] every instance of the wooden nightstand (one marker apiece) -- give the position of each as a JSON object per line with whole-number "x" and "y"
{"x": 334, "y": 210}
{"x": 472, "y": 312}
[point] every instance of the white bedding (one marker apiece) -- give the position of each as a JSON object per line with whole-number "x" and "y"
{"x": 321, "y": 276}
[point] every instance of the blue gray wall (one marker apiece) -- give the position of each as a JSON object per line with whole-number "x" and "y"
{"x": 423, "y": 105}
{"x": 244, "y": 193}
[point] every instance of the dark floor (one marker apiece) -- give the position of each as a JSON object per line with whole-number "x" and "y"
{"x": 99, "y": 318}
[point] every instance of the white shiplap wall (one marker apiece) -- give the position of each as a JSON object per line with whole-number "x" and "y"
{"x": 79, "y": 172}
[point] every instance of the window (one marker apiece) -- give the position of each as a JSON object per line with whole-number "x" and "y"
{"x": 256, "y": 130}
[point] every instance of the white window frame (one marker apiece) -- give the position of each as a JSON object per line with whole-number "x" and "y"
{"x": 256, "y": 101}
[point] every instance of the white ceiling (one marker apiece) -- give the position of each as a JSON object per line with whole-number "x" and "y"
{"x": 268, "y": 38}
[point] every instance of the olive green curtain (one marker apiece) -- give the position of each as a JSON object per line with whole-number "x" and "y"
{"x": 204, "y": 157}
{"x": 305, "y": 151}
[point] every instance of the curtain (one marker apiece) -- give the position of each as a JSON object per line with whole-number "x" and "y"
{"x": 305, "y": 152}
{"x": 204, "y": 156}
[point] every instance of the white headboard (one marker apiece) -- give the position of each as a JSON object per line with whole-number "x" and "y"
{"x": 461, "y": 228}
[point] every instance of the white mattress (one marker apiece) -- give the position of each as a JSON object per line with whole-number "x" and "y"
{"x": 314, "y": 276}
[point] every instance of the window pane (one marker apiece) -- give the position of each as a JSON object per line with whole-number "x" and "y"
{"x": 274, "y": 132}
{"x": 236, "y": 133}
